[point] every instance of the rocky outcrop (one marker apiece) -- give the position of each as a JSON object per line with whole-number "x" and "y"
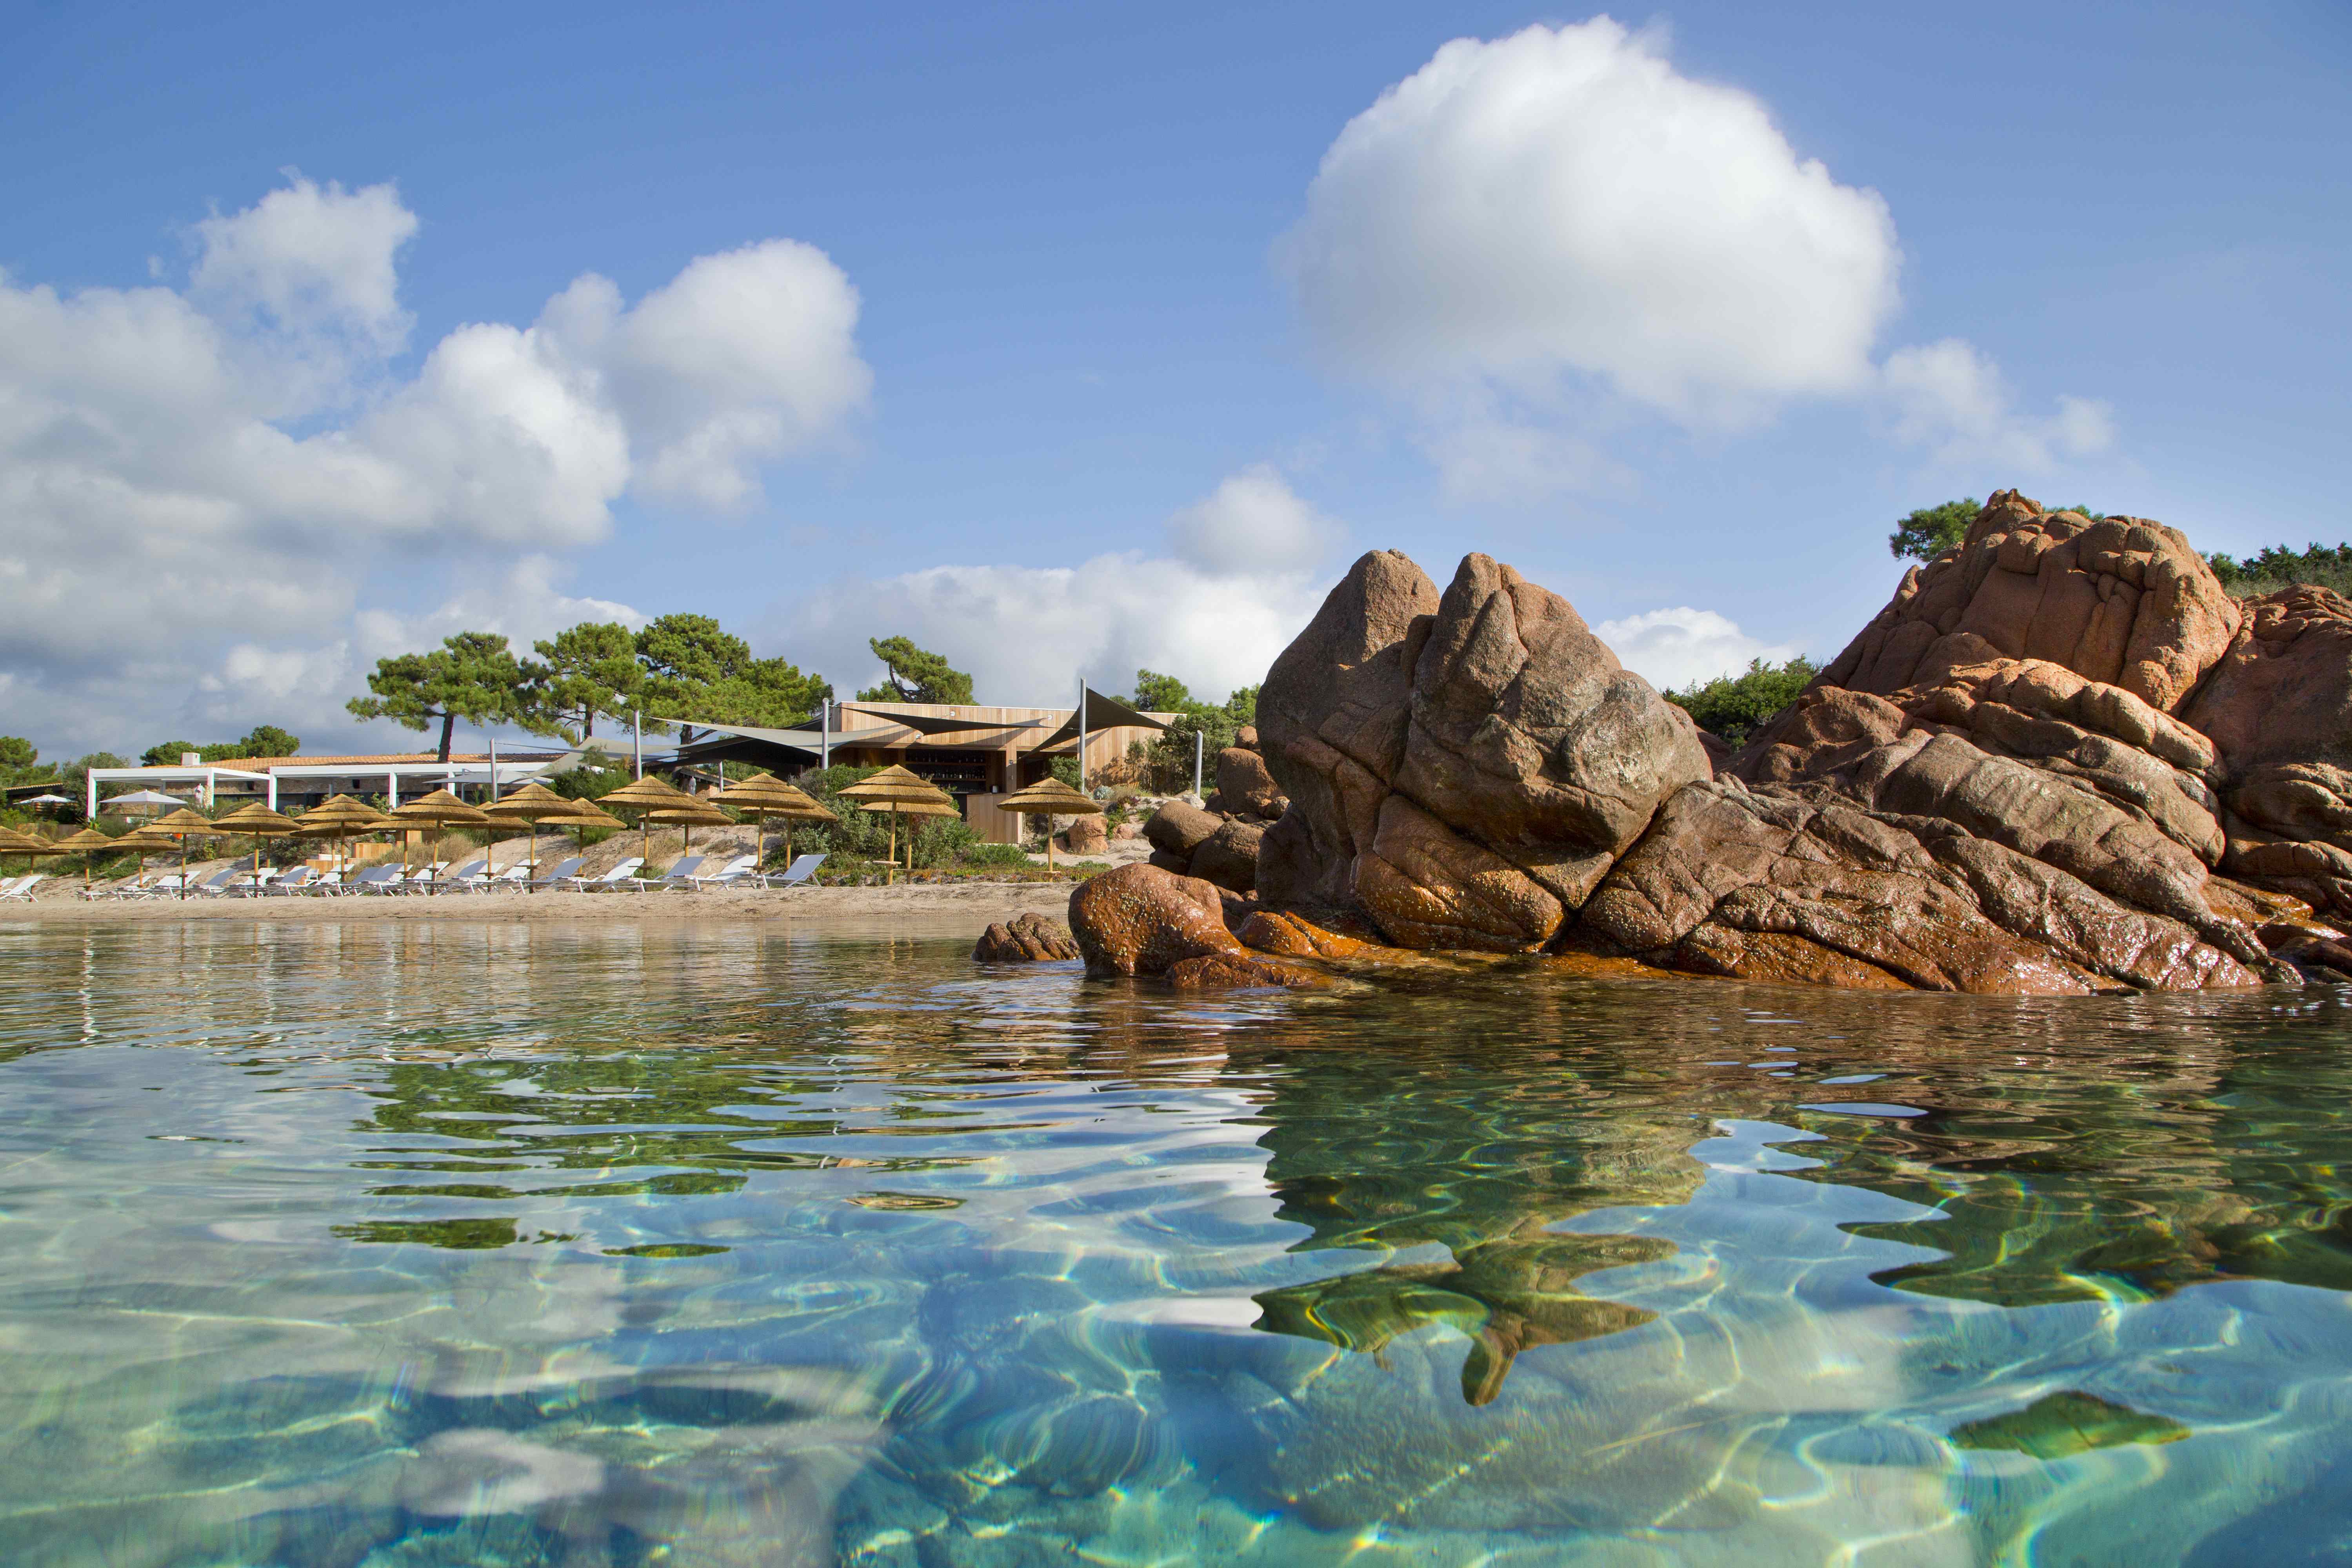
{"x": 1463, "y": 769}
{"x": 1244, "y": 788}
{"x": 1085, "y": 836}
{"x": 1024, "y": 939}
{"x": 2062, "y": 760}
{"x": 1142, "y": 920}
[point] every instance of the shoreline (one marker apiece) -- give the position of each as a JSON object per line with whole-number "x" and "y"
{"x": 975, "y": 904}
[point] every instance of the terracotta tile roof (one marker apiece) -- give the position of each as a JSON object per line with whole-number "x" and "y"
{"x": 262, "y": 764}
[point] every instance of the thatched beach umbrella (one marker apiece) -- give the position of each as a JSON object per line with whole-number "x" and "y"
{"x": 901, "y": 793}
{"x": 255, "y": 822}
{"x": 584, "y": 816}
{"x": 14, "y": 842}
{"x": 764, "y": 796}
{"x": 1049, "y": 797}
{"x": 533, "y": 804}
{"x": 90, "y": 843}
{"x": 643, "y": 796}
{"x": 439, "y": 809}
{"x": 694, "y": 814}
{"x": 340, "y": 818}
{"x": 182, "y": 826}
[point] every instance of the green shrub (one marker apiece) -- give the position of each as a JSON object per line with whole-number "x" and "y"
{"x": 1735, "y": 706}
{"x": 996, "y": 855}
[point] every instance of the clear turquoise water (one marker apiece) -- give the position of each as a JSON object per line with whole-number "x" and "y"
{"x": 491, "y": 1244}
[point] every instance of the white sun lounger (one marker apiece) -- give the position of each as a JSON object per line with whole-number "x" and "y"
{"x": 298, "y": 879}
{"x": 683, "y": 873}
{"x": 219, "y": 885}
{"x": 796, "y": 874}
{"x": 607, "y": 880}
{"x": 465, "y": 876}
{"x": 565, "y": 869}
{"x": 727, "y": 876}
{"x": 374, "y": 879}
{"x": 20, "y": 887}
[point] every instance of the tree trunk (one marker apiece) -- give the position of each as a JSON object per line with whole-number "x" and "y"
{"x": 588, "y": 729}
{"x": 448, "y": 722}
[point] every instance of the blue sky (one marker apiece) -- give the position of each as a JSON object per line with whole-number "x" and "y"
{"x": 1076, "y": 359}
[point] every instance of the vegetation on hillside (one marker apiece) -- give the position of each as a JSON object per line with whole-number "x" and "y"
{"x": 1166, "y": 764}
{"x": 1929, "y": 530}
{"x": 2280, "y": 566}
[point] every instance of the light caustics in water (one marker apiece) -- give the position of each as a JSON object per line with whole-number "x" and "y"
{"x": 395, "y": 1247}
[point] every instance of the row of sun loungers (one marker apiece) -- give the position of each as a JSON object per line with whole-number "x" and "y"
{"x": 691, "y": 874}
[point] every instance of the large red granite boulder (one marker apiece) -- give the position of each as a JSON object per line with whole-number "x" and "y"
{"x": 2060, "y": 760}
{"x": 1140, "y": 919}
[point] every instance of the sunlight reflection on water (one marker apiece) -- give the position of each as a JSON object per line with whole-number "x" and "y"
{"x": 406, "y": 1245}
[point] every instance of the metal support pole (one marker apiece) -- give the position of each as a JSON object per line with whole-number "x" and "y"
{"x": 636, "y": 743}
{"x": 494, "y": 770}
{"x": 824, "y": 733}
{"x": 1082, "y": 734}
{"x": 1199, "y": 749}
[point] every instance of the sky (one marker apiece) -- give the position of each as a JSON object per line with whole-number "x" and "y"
{"x": 1079, "y": 339}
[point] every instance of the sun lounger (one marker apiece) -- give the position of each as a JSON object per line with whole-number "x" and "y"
{"x": 796, "y": 874}
{"x": 219, "y": 885}
{"x": 374, "y": 879}
{"x": 18, "y": 887}
{"x": 681, "y": 874}
{"x": 463, "y": 877}
{"x": 515, "y": 876}
{"x": 609, "y": 879}
{"x": 290, "y": 883}
{"x": 727, "y": 876}
{"x": 564, "y": 871}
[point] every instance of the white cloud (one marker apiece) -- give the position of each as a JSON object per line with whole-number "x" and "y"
{"x": 1532, "y": 238}
{"x": 1947, "y": 396}
{"x": 1253, "y": 524}
{"x": 200, "y": 479}
{"x": 1671, "y": 648}
{"x": 1564, "y": 200}
{"x": 1214, "y": 613}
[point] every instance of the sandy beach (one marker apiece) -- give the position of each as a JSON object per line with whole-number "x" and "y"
{"x": 935, "y": 907}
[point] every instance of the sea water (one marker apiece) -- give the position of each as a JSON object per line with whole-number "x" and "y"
{"x": 403, "y": 1244}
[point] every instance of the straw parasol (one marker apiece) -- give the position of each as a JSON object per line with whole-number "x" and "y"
{"x": 901, "y": 793}
{"x": 14, "y": 842}
{"x": 1049, "y": 797}
{"x": 692, "y": 814}
{"x": 255, "y": 822}
{"x": 340, "y": 818}
{"x": 585, "y": 816}
{"x": 646, "y": 795}
{"x": 532, "y": 805}
{"x": 90, "y": 845}
{"x": 763, "y": 795}
{"x": 439, "y": 809}
{"x": 182, "y": 825}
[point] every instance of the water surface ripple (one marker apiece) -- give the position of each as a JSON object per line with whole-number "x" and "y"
{"x": 401, "y": 1246}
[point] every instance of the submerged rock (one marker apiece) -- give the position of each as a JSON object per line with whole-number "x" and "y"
{"x": 1024, "y": 939}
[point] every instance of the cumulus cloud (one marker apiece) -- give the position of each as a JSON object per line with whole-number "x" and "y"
{"x": 192, "y": 473}
{"x": 1213, "y": 612}
{"x": 1532, "y": 238}
{"x": 1671, "y": 648}
{"x": 1253, "y": 524}
{"x": 1948, "y": 396}
{"x": 1563, "y": 199}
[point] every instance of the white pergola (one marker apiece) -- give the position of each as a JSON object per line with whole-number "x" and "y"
{"x": 207, "y": 777}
